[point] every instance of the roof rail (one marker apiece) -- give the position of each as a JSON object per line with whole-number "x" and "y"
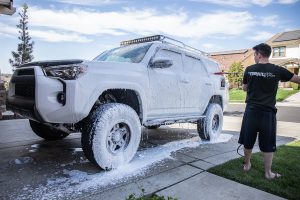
{"x": 163, "y": 39}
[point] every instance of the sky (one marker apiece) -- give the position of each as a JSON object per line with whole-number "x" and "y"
{"x": 82, "y": 29}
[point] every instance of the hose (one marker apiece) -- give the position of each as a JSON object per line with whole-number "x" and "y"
{"x": 237, "y": 150}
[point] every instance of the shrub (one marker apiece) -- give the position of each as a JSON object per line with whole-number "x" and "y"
{"x": 295, "y": 86}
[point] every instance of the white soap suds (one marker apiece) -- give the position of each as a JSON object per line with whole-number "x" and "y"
{"x": 75, "y": 182}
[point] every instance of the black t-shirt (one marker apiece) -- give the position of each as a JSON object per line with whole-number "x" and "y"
{"x": 262, "y": 83}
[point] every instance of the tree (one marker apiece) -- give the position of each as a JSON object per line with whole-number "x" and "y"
{"x": 235, "y": 75}
{"x": 25, "y": 47}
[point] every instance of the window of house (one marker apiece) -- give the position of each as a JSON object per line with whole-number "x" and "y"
{"x": 278, "y": 51}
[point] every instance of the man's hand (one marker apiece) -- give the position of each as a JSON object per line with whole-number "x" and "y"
{"x": 295, "y": 79}
{"x": 245, "y": 87}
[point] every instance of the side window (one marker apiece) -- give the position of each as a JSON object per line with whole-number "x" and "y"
{"x": 192, "y": 64}
{"x": 174, "y": 56}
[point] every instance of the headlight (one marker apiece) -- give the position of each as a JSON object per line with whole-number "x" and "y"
{"x": 66, "y": 72}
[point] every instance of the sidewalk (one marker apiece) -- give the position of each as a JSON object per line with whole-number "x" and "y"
{"x": 292, "y": 101}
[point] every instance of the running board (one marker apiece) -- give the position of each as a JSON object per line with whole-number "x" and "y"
{"x": 169, "y": 121}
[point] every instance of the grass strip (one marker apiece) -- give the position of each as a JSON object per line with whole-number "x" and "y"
{"x": 237, "y": 95}
{"x": 286, "y": 162}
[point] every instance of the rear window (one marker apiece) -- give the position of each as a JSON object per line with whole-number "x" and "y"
{"x": 211, "y": 66}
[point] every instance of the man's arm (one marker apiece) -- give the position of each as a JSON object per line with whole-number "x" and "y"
{"x": 245, "y": 87}
{"x": 295, "y": 79}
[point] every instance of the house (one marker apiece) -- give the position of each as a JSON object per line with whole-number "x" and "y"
{"x": 286, "y": 50}
{"x": 6, "y": 7}
{"x": 4, "y": 79}
{"x": 226, "y": 58}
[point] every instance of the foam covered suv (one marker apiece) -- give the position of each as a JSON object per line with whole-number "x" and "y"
{"x": 147, "y": 82}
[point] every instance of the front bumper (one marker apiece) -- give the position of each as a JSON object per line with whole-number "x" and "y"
{"x": 35, "y": 96}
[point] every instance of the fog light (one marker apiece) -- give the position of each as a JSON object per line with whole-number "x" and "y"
{"x": 61, "y": 98}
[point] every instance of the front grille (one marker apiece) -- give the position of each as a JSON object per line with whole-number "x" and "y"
{"x": 24, "y": 81}
{"x": 25, "y": 90}
{"x": 23, "y": 72}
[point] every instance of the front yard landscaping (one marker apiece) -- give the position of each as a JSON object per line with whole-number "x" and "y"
{"x": 238, "y": 95}
{"x": 285, "y": 162}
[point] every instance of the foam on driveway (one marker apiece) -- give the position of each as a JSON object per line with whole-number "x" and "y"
{"x": 76, "y": 182}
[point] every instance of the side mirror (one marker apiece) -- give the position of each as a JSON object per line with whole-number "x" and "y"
{"x": 161, "y": 63}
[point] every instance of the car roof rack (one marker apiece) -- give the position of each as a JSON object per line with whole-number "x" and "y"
{"x": 163, "y": 39}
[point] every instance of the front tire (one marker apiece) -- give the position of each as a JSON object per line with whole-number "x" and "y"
{"x": 210, "y": 127}
{"x": 111, "y": 136}
{"x": 47, "y": 132}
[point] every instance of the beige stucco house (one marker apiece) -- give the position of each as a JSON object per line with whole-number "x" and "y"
{"x": 286, "y": 50}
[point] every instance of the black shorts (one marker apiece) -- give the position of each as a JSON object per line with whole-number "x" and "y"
{"x": 261, "y": 121}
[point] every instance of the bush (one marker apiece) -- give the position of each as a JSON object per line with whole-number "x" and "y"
{"x": 295, "y": 86}
{"x": 235, "y": 75}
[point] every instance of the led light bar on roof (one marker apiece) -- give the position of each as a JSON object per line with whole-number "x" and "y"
{"x": 141, "y": 40}
{"x": 163, "y": 39}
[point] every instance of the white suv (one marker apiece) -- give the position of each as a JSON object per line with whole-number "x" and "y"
{"x": 147, "y": 81}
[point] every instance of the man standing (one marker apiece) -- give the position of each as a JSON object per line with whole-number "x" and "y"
{"x": 261, "y": 83}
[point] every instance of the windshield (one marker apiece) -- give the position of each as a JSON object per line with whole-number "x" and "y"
{"x": 132, "y": 53}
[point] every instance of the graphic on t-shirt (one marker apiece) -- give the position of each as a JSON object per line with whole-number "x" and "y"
{"x": 262, "y": 74}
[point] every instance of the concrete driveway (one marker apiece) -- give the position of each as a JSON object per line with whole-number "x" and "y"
{"x": 171, "y": 161}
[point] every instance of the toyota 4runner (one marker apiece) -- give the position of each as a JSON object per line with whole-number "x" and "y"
{"x": 147, "y": 82}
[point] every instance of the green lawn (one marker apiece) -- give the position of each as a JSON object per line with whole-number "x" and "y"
{"x": 236, "y": 95}
{"x": 285, "y": 162}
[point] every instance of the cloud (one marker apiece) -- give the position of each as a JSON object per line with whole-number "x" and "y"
{"x": 261, "y": 36}
{"x": 53, "y": 36}
{"x": 246, "y": 3}
{"x": 271, "y": 20}
{"x": 83, "y": 25}
{"x": 8, "y": 30}
{"x": 142, "y": 22}
{"x": 287, "y": 1}
{"x": 209, "y": 46}
{"x": 50, "y": 36}
{"x": 90, "y": 2}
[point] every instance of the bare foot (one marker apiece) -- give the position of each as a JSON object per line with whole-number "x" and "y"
{"x": 272, "y": 175}
{"x": 246, "y": 167}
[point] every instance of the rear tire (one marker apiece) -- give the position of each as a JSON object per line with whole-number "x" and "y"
{"x": 47, "y": 132}
{"x": 111, "y": 136}
{"x": 210, "y": 127}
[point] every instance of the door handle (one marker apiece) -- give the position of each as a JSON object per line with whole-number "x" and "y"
{"x": 208, "y": 84}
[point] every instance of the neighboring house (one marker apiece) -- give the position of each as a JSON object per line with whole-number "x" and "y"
{"x": 226, "y": 58}
{"x": 6, "y": 7}
{"x": 285, "y": 52}
{"x": 5, "y": 77}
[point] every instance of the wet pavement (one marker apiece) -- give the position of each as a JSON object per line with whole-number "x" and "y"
{"x": 170, "y": 161}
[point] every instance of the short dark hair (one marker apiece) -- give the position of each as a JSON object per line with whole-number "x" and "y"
{"x": 264, "y": 49}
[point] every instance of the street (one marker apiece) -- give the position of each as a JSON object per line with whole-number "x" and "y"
{"x": 284, "y": 113}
